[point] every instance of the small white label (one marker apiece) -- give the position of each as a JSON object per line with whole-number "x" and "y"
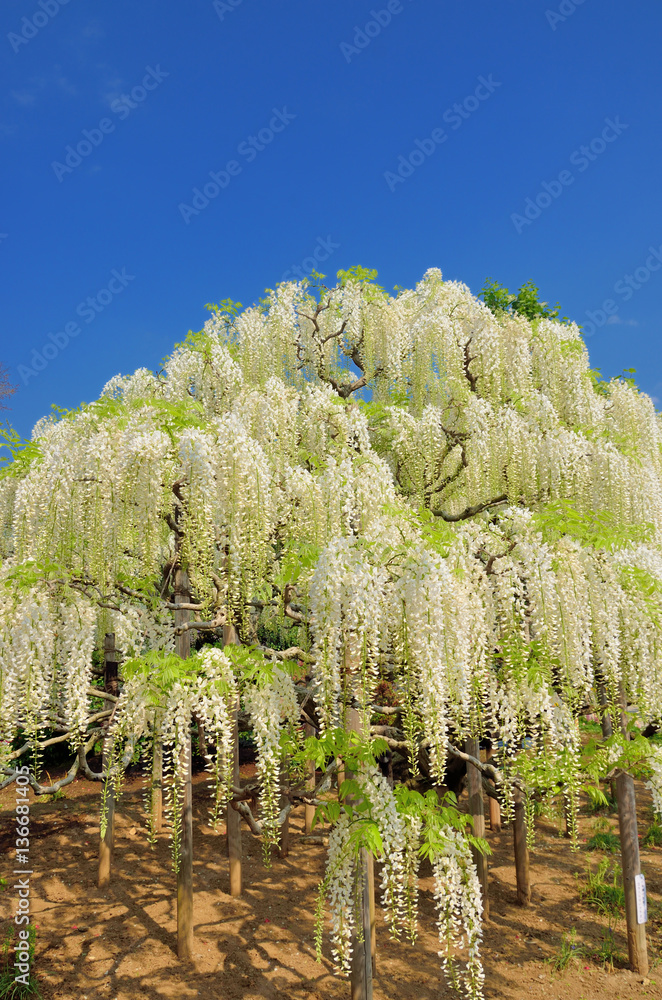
{"x": 642, "y": 902}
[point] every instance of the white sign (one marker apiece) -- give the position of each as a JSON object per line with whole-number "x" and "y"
{"x": 642, "y": 903}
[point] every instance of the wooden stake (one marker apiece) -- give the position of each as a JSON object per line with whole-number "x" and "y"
{"x": 495, "y": 814}
{"x": 284, "y": 840}
{"x": 110, "y": 665}
{"x": 310, "y": 785}
{"x": 373, "y": 917}
{"x": 185, "y": 873}
{"x": 477, "y": 811}
{"x": 494, "y": 805}
{"x": 361, "y": 969}
{"x": 363, "y": 942}
{"x": 521, "y": 850}
{"x": 630, "y": 860}
{"x": 627, "y": 826}
{"x": 107, "y": 842}
{"x": 340, "y": 776}
{"x": 606, "y": 724}
{"x": 233, "y": 818}
{"x": 605, "y": 717}
{"x": 157, "y": 785}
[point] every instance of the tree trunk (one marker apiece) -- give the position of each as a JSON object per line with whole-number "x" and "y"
{"x": 477, "y": 811}
{"x": 521, "y": 850}
{"x": 107, "y": 842}
{"x": 185, "y": 873}
{"x": 233, "y": 818}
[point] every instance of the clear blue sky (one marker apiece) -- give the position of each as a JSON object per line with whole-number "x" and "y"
{"x": 347, "y": 110}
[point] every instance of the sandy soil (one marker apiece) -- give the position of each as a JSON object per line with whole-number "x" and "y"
{"x": 119, "y": 944}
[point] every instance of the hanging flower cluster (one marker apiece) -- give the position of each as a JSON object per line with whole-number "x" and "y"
{"x": 458, "y": 901}
{"x": 270, "y": 702}
{"x": 160, "y": 695}
{"x": 345, "y": 874}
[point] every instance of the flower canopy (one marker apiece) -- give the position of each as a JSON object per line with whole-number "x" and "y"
{"x": 409, "y": 487}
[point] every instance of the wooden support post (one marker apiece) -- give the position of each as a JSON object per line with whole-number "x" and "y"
{"x": 477, "y": 811}
{"x": 630, "y": 860}
{"x": 233, "y": 818}
{"x": 284, "y": 839}
{"x": 310, "y": 785}
{"x": 361, "y": 970}
{"x": 107, "y": 842}
{"x": 340, "y": 776}
{"x": 157, "y": 785}
{"x": 493, "y": 804}
{"x": 284, "y": 835}
{"x": 363, "y": 942}
{"x": 185, "y": 873}
{"x": 110, "y": 665}
{"x": 605, "y": 716}
{"x": 627, "y": 826}
{"x": 521, "y": 850}
{"x": 495, "y": 814}
{"x": 203, "y": 750}
{"x": 373, "y": 916}
{"x": 606, "y": 724}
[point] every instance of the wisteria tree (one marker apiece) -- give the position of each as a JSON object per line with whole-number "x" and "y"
{"x": 412, "y": 493}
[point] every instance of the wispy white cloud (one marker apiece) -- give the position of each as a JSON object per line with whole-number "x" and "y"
{"x": 112, "y": 89}
{"x": 65, "y": 85}
{"x": 616, "y": 320}
{"x": 37, "y": 86}
{"x": 23, "y": 97}
{"x": 93, "y": 29}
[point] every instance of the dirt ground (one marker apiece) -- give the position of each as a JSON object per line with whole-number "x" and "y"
{"x": 120, "y": 943}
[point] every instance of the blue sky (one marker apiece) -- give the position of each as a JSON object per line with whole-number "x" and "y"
{"x": 328, "y": 127}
